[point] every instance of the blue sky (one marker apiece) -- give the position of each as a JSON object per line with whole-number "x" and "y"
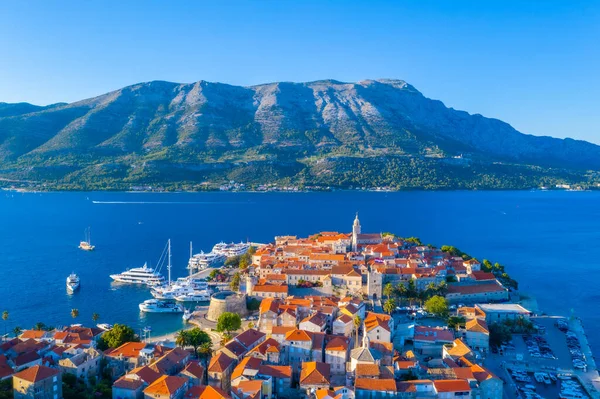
{"x": 532, "y": 64}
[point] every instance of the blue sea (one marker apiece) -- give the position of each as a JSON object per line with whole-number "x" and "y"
{"x": 548, "y": 241}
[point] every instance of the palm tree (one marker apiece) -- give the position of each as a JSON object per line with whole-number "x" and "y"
{"x": 74, "y": 313}
{"x": 357, "y": 323}
{"x": 442, "y": 288}
{"x": 388, "y": 290}
{"x": 95, "y": 317}
{"x": 17, "y": 331}
{"x": 5, "y": 318}
{"x": 225, "y": 337}
{"x": 182, "y": 339}
{"x": 431, "y": 289}
{"x": 401, "y": 291}
{"x": 39, "y": 326}
{"x": 389, "y": 305}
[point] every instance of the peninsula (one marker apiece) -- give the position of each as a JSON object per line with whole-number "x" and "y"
{"x": 332, "y": 315}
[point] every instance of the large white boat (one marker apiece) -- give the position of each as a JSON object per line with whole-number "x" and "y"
{"x": 139, "y": 275}
{"x": 72, "y": 282}
{"x": 196, "y": 296}
{"x": 229, "y": 250}
{"x": 156, "y": 306}
{"x": 203, "y": 260}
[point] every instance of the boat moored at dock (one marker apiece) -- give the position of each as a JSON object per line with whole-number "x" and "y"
{"x": 156, "y": 306}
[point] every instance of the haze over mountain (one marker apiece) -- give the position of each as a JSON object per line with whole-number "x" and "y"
{"x": 154, "y": 132}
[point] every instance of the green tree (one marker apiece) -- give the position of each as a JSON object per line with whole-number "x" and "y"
{"x": 245, "y": 261}
{"x": 229, "y": 322}
{"x": 389, "y": 305}
{"x": 357, "y": 323}
{"x": 456, "y": 321}
{"x": 95, "y": 317}
{"x": 388, "y": 290}
{"x": 5, "y": 318}
{"x": 235, "y": 282}
{"x": 182, "y": 339}
{"x": 499, "y": 334}
{"x": 487, "y": 266}
{"x": 197, "y": 339}
{"x": 17, "y": 331}
{"x": 116, "y": 337}
{"x": 233, "y": 261}
{"x": 74, "y": 313}
{"x": 39, "y": 326}
{"x": 437, "y": 305}
{"x": 401, "y": 291}
{"x": 414, "y": 240}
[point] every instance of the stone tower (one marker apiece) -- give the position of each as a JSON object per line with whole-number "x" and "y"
{"x": 355, "y": 233}
{"x": 250, "y": 282}
{"x": 374, "y": 284}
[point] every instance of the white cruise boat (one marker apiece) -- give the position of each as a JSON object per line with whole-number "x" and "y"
{"x": 156, "y": 306}
{"x": 196, "y": 296}
{"x": 170, "y": 292}
{"x": 139, "y": 275}
{"x": 229, "y": 250}
{"x": 203, "y": 260}
{"x": 72, "y": 282}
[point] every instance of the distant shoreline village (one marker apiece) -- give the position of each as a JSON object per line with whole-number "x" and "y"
{"x": 330, "y": 316}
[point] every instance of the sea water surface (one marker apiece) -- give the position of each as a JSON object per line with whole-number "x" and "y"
{"x": 548, "y": 240}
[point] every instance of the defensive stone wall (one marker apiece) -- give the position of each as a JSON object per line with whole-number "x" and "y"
{"x": 226, "y": 301}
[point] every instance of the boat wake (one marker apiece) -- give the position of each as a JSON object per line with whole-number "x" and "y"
{"x": 166, "y": 202}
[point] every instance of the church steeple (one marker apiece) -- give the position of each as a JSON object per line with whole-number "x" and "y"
{"x": 355, "y": 233}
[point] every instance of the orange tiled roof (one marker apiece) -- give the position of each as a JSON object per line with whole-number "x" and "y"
{"x": 128, "y": 349}
{"x": 250, "y": 337}
{"x": 452, "y": 385}
{"x": 370, "y": 384}
{"x": 476, "y": 325}
{"x": 314, "y": 373}
{"x": 205, "y": 392}
{"x": 275, "y": 371}
{"x": 165, "y": 385}
{"x": 297, "y": 335}
{"x": 36, "y": 373}
{"x": 337, "y": 344}
{"x": 219, "y": 363}
{"x": 374, "y": 320}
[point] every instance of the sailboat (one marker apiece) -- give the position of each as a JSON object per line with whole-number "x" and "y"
{"x": 86, "y": 244}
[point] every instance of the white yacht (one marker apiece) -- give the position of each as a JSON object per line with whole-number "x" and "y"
{"x": 229, "y": 250}
{"x": 156, "y": 306}
{"x": 203, "y": 260}
{"x": 104, "y": 326}
{"x": 196, "y": 296}
{"x": 170, "y": 292}
{"x": 139, "y": 275}
{"x": 72, "y": 282}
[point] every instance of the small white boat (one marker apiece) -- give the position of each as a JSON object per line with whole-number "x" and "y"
{"x": 73, "y": 282}
{"x": 104, "y": 326}
{"x": 186, "y": 315}
{"x": 156, "y": 306}
{"x": 196, "y": 296}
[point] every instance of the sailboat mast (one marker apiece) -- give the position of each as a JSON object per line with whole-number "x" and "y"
{"x": 191, "y": 254}
{"x": 169, "y": 265}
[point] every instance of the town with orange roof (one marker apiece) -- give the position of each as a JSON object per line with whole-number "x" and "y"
{"x": 337, "y": 315}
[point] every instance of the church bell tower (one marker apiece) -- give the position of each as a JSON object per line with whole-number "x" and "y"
{"x": 355, "y": 233}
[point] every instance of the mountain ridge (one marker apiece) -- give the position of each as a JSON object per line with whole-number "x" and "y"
{"x": 209, "y": 125}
